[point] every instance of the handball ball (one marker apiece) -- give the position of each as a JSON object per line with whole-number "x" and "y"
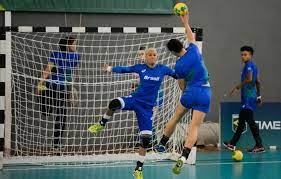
{"x": 180, "y": 9}
{"x": 237, "y": 155}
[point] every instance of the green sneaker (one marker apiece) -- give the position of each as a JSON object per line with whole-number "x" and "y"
{"x": 138, "y": 174}
{"x": 95, "y": 128}
{"x": 177, "y": 168}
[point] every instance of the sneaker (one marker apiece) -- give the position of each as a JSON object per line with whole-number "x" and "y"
{"x": 256, "y": 149}
{"x": 95, "y": 128}
{"x": 177, "y": 168}
{"x": 160, "y": 148}
{"x": 138, "y": 174}
{"x": 229, "y": 146}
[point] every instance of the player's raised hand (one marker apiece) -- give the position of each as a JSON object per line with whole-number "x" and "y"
{"x": 185, "y": 18}
{"x": 106, "y": 68}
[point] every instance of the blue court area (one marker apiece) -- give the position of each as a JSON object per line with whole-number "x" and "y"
{"x": 211, "y": 165}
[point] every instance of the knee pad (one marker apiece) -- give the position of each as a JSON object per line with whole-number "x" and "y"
{"x": 145, "y": 141}
{"x": 114, "y": 105}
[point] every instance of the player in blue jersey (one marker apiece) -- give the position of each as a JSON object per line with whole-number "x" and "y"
{"x": 141, "y": 101}
{"x": 55, "y": 86}
{"x": 250, "y": 97}
{"x": 160, "y": 97}
{"x": 194, "y": 82}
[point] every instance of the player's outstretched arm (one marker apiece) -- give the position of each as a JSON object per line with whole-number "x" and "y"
{"x": 189, "y": 35}
{"x": 249, "y": 79}
{"x": 120, "y": 69}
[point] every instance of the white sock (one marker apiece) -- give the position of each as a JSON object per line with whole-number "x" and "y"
{"x": 141, "y": 158}
{"x": 105, "y": 116}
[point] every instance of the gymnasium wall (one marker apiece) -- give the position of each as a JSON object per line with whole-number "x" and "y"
{"x": 225, "y": 31}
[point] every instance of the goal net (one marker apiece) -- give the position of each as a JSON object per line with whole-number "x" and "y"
{"x": 33, "y": 128}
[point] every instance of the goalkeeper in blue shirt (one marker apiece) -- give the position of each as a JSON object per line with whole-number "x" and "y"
{"x": 55, "y": 87}
{"x": 141, "y": 101}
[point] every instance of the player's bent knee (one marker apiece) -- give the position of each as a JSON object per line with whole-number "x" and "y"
{"x": 115, "y": 104}
{"x": 145, "y": 141}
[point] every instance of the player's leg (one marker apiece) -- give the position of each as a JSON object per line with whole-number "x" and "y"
{"x": 60, "y": 103}
{"x": 145, "y": 140}
{"x": 144, "y": 116}
{"x": 115, "y": 104}
{"x": 170, "y": 127}
{"x": 201, "y": 98}
{"x": 231, "y": 145}
{"x": 249, "y": 117}
{"x": 191, "y": 138}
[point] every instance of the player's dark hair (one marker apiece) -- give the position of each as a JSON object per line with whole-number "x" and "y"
{"x": 66, "y": 41}
{"x": 247, "y": 49}
{"x": 174, "y": 45}
{"x": 142, "y": 48}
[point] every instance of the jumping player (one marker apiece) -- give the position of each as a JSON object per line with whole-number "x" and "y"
{"x": 191, "y": 70}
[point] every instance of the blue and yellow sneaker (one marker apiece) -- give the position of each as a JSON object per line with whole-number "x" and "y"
{"x": 95, "y": 128}
{"x": 177, "y": 168}
{"x": 138, "y": 174}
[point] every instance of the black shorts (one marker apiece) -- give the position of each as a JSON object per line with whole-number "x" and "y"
{"x": 54, "y": 98}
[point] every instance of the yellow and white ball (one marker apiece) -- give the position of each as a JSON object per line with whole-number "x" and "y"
{"x": 237, "y": 155}
{"x": 180, "y": 9}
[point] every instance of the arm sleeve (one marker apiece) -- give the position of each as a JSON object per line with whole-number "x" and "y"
{"x": 192, "y": 47}
{"x": 170, "y": 72}
{"x": 249, "y": 69}
{"x": 77, "y": 59}
{"x": 125, "y": 69}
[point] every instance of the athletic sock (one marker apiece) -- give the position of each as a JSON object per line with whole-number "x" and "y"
{"x": 139, "y": 166}
{"x": 185, "y": 153}
{"x": 164, "y": 140}
{"x": 104, "y": 119}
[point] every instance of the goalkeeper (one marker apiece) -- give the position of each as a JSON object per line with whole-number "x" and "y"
{"x": 55, "y": 88}
{"x": 141, "y": 101}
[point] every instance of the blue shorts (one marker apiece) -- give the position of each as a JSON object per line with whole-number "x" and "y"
{"x": 248, "y": 103}
{"x": 197, "y": 98}
{"x": 143, "y": 112}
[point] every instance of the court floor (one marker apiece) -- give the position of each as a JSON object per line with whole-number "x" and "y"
{"x": 212, "y": 165}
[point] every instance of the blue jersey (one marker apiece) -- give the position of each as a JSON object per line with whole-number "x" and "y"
{"x": 150, "y": 80}
{"x": 249, "y": 90}
{"x": 64, "y": 64}
{"x": 191, "y": 67}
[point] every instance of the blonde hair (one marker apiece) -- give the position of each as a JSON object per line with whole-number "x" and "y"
{"x": 150, "y": 50}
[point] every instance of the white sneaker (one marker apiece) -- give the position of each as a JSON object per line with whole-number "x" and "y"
{"x": 191, "y": 160}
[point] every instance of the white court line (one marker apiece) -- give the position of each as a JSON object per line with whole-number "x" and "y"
{"x": 170, "y": 163}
